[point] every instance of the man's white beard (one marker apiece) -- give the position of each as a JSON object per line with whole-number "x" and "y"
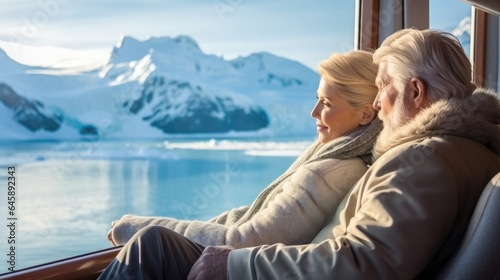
{"x": 397, "y": 118}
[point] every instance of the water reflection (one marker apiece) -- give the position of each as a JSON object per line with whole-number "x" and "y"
{"x": 66, "y": 201}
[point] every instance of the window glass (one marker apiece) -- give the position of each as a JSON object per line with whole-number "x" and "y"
{"x": 453, "y": 16}
{"x": 182, "y": 109}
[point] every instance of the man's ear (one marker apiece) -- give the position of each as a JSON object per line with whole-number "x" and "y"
{"x": 367, "y": 115}
{"x": 419, "y": 93}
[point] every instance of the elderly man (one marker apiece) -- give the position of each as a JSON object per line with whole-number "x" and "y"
{"x": 439, "y": 147}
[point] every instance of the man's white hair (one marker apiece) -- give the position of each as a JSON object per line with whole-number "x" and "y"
{"x": 434, "y": 56}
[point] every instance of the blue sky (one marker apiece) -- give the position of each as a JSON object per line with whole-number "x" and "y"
{"x": 445, "y": 14}
{"x": 304, "y": 30}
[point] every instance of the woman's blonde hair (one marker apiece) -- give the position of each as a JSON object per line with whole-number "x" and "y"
{"x": 354, "y": 74}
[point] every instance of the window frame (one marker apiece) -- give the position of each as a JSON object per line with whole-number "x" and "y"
{"x": 373, "y": 26}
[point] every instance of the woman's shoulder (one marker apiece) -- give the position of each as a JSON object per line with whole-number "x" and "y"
{"x": 335, "y": 173}
{"x": 325, "y": 166}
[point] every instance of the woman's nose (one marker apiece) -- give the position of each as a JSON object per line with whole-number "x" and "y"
{"x": 314, "y": 112}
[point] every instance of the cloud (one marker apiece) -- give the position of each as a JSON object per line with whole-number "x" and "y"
{"x": 220, "y": 26}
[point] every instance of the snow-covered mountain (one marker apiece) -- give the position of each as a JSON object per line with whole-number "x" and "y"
{"x": 34, "y": 116}
{"x": 160, "y": 87}
{"x": 8, "y": 65}
{"x": 179, "y": 107}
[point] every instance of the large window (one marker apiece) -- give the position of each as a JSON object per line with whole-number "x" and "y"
{"x": 175, "y": 108}
{"x": 453, "y": 16}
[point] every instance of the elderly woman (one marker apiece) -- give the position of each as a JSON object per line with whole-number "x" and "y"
{"x": 300, "y": 202}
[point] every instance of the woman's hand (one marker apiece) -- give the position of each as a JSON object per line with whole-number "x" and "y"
{"x": 110, "y": 234}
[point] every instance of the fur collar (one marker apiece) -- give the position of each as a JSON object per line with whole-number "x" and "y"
{"x": 476, "y": 117}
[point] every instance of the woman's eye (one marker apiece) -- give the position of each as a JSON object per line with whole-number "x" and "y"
{"x": 323, "y": 102}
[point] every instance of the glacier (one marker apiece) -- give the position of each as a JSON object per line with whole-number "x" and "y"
{"x": 161, "y": 87}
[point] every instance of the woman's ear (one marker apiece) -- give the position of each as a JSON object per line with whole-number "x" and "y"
{"x": 367, "y": 115}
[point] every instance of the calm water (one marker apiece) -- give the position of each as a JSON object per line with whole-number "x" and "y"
{"x": 67, "y": 193}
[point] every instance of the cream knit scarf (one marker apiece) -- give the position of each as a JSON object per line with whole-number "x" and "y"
{"x": 357, "y": 143}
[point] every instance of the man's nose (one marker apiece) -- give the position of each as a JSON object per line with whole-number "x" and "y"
{"x": 376, "y": 103}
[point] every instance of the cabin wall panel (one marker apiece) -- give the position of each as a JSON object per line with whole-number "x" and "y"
{"x": 492, "y": 52}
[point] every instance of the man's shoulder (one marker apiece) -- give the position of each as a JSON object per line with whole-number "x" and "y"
{"x": 439, "y": 155}
{"x": 429, "y": 147}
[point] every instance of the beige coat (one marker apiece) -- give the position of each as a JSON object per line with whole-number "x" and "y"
{"x": 409, "y": 212}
